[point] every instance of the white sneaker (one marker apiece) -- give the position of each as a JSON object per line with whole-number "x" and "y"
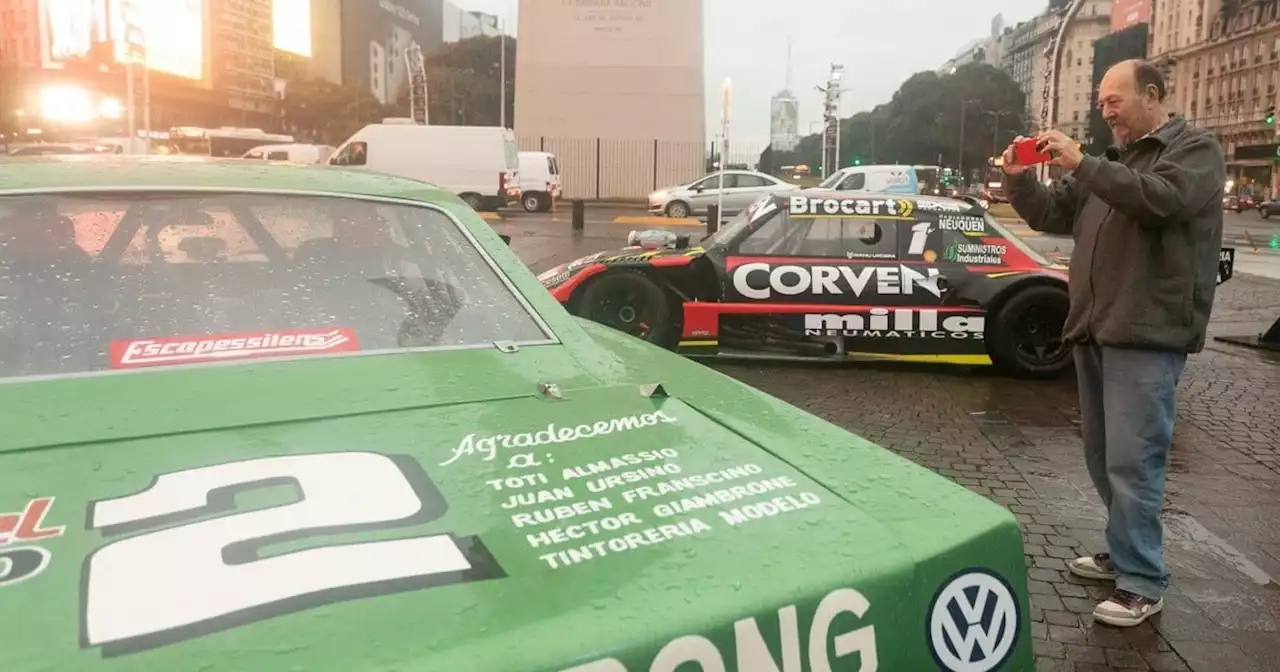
{"x": 1125, "y": 609}
{"x": 1098, "y": 567}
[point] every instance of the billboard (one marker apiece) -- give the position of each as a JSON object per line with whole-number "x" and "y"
{"x": 1126, "y": 13}
{"x": 95, "y": 31}
{"x": 377, "y": 33}
{"x": 784, "y": 124}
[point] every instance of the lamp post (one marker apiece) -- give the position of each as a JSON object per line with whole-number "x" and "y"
{"x": 995, "y": 135}
{"x": 964, "y": 105}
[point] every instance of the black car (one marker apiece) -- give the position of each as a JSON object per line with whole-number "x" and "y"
{"x": 834, "y": 276}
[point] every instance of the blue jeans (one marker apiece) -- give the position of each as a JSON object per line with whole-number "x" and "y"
{"x": 1127, "y": 410}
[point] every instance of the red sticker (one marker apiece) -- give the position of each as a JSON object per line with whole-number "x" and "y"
{"x": 168, "y": 351}
{"x": 28, "y": 524}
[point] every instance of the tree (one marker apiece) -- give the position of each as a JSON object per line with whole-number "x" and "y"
{"x": 464, "y": 82}
{"x": 317, "y": 110}
{"x": 921, "y": 123}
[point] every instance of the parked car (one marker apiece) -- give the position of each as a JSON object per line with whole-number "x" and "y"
{"x": 832, "y": 276}
{"x": 479, "y": 164}
{"x": 263, "y": 416}
{"x": 1246, "y": 202}
{"x": 296, "y": 153}
{"x": 741, "y": 188}
{"x": 539, "y": 181}
{"x": 1231, "y": 202}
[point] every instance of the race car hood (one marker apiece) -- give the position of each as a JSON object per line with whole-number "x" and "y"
{"x": 541, "y": 531}
{"x": 626, "y": 256}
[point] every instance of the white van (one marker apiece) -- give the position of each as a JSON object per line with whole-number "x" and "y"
{"x": 896, "y": 179}
{"x": 539, "y": 180}
{"x": 294, "y": 153}
{"x": 478, "y": 163}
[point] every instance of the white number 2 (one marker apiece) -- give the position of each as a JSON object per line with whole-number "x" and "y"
{"x": 919, "y": 236}
{"x": 188, "y": 580}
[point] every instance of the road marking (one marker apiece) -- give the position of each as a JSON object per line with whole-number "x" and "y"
{"x": 490, "y": 216}
{"x": 658, "y": 221}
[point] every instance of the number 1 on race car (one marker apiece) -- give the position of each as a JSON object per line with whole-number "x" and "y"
{"x": 155, "y": 588}
{"x": 919, "y": 237}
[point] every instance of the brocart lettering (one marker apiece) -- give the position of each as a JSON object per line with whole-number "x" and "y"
{"x": 752, "y": 654}
{"x": 896, "y": 323}
{"x": 850, "y": 207}
{"x": 833, "y": 280}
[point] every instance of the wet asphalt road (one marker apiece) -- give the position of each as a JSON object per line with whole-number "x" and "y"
{"x": 1017, "y": 442}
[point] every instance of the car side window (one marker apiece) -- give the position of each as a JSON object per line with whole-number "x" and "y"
{"x": 854, "y": 182}
{"x": 829, "y": 237}
{"x": 278, "y": 156}
{"x": 752, "y": 181}
{"x": 713, "y": 182}
{"x": 354, "y": 154}
{"x": 255, "y": 156}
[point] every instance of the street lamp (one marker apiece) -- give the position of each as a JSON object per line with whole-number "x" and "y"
{"x": 964, "y": 105}
{"x": 995, "y": 135}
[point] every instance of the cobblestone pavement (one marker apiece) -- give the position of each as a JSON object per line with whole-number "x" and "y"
{"x": 1017, "y": 442}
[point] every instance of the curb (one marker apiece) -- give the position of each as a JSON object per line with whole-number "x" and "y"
{"x": 658, "y": 221}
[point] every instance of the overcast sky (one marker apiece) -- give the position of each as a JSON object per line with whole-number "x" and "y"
{"x": 879, "y": 43}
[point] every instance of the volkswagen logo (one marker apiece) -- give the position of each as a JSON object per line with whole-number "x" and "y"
{"x": 973, "y": 622}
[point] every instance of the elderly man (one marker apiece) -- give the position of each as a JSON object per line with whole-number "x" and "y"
{"x": 1147, "y": 223}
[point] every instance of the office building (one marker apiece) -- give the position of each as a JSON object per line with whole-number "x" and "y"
{"x": 1226, "y": 70}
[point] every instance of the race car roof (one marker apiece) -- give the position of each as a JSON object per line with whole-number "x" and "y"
{"x": 110, "y": 172}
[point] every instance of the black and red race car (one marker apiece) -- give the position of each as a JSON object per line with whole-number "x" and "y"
{"x": 824, "y": 275}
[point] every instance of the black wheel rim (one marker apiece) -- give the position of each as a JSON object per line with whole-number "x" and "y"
{"x": 1037, "y": 333}
{"x": 625, "y": 308}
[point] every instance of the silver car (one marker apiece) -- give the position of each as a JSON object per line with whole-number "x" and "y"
{"x": 741, "y": 188}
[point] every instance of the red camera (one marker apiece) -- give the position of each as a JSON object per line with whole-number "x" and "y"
{"x": 1026, "y": 153}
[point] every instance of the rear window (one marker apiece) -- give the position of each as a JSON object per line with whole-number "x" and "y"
{"x": 123, "y": 281}
{"x": 552, "y": 165}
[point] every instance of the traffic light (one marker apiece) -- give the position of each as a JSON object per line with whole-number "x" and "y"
{"x": 1271, "y": 114}
{"x": 857, "y": 160}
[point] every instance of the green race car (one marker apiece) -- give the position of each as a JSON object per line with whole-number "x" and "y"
{"x": 270, "y": 417}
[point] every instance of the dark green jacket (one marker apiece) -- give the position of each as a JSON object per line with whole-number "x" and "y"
{"x": 1147, "y": 223}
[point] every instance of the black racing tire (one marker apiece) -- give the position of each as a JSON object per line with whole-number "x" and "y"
{"x": 1026, "y": 340}
{"x": 534, "y": 201}
{"x": 677, "y": 210}
{"x": 476, "y": 201}
{"x": 630, "y": 302}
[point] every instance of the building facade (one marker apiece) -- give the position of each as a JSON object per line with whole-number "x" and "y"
{"x": 1023, "y": 45}
{"x": 1226, "y": 71}
{"x": 243, "y": 54}
{"x": 1075, "y": 79}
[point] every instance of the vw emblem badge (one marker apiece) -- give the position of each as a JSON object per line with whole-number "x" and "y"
{"x": 973, "y": 622}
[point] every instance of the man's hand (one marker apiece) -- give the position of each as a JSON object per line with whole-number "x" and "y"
{"x": 1010, "y": 160}
{"x": 1066, "y": 152}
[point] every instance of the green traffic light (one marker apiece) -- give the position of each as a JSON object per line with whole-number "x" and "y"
{"x": 1271, "y": 118}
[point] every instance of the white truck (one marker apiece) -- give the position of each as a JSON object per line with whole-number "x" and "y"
{"x": 539, "y": 180}
{"x": 480, "y": 164}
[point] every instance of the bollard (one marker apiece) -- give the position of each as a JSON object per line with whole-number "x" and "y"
{"x": 579, "y": 215}
{"x": 713, "y": 218}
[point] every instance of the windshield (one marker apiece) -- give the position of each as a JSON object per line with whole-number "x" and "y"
{"x": 120, "y": 281}
{"x": 831, "y": 181}
{"x": 753, "y": 216}
{"x": 1017, "y": 242}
